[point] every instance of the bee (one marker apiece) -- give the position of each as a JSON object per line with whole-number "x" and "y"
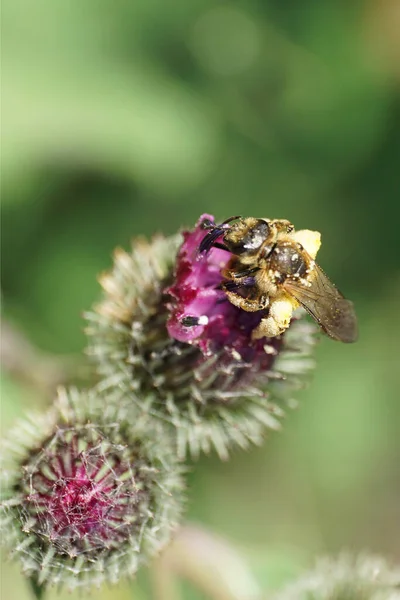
{"x": 273, "y": 269}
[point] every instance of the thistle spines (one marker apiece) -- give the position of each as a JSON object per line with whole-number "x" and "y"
{"x": 89, "y": 495}
{"x": 347, "y": 577}
{"x": 213, "y": 383}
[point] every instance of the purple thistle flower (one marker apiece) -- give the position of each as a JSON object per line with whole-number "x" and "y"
{"x": 224, "y": 330}
{"x": 88, "y": 496}
{"x": 79, "y": 492}
{"x": 166, "y": 333}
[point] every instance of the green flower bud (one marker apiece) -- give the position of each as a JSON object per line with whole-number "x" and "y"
{"x": 87, "y": 495}
{"x": 166, "y": 333}
{"x": 347, "y": 578}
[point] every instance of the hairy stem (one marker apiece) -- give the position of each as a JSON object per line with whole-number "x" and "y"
{"x": 207, "y": 561}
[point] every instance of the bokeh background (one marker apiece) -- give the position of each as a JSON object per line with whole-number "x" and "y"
{"x": 130, "y": 117}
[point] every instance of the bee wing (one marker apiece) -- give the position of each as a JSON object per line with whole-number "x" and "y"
{"x": 323, "y": 301}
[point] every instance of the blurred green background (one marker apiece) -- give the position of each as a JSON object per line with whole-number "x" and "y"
{"x": 130, "y": 117}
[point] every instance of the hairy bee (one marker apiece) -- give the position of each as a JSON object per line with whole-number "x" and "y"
{"x": 273, "y": 269}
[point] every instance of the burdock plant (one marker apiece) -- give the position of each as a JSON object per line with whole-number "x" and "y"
{"x": 166, "y": 333}
{"x": 87, "y": 495}
{"x": 93, "y": 489}
{"x": 347, "y": 577}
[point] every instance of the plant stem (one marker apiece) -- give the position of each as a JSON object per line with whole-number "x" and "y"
{"x": 209, "y": 562}
{"x": 37, "y": 589}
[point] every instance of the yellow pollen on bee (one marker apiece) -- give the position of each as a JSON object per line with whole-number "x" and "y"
{"x": 310, "y": 240}
{"x": 279, "y": 316}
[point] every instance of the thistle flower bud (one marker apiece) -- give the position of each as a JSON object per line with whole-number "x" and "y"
{"x": 347, "y": 578}
{"x": 167, "y": 333}
{"x": 87, "y": 496}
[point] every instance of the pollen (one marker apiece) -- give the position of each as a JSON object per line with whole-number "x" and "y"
{"x": 310, "y": 240}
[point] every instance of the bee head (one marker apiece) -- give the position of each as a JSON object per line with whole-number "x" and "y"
{"x": 246, "y": 236}
{"x": 214, "y": 232}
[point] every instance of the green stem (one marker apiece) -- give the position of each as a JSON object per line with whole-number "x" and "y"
{"x": 37, "y": 589}
{"x": 208, "y": 562}
{"x": 164, "y": 581}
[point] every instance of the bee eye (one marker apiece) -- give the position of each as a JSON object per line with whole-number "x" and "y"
{"x": 288, "y": 261}
{"x": 252, "y": 240}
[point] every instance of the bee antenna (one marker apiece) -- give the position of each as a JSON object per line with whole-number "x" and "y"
{"x": 231, "y": 219}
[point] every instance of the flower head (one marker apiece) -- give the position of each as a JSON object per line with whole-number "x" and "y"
{"x": 88, "y": 497}
{"x": 166, "y": 332}
{"x": 347, "y": 578}
{"x": 224, "y": 329}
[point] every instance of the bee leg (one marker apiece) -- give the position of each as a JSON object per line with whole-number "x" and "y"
{"x": 247, "y": 304}
{"x": 220, "y": 246}
{"x": 277, "y": 321}
{"x": 233, "y": 286}
{"x": 268, "y": 328}
{"x": 244, "y": 274}
{"x": 244, "y": 277}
